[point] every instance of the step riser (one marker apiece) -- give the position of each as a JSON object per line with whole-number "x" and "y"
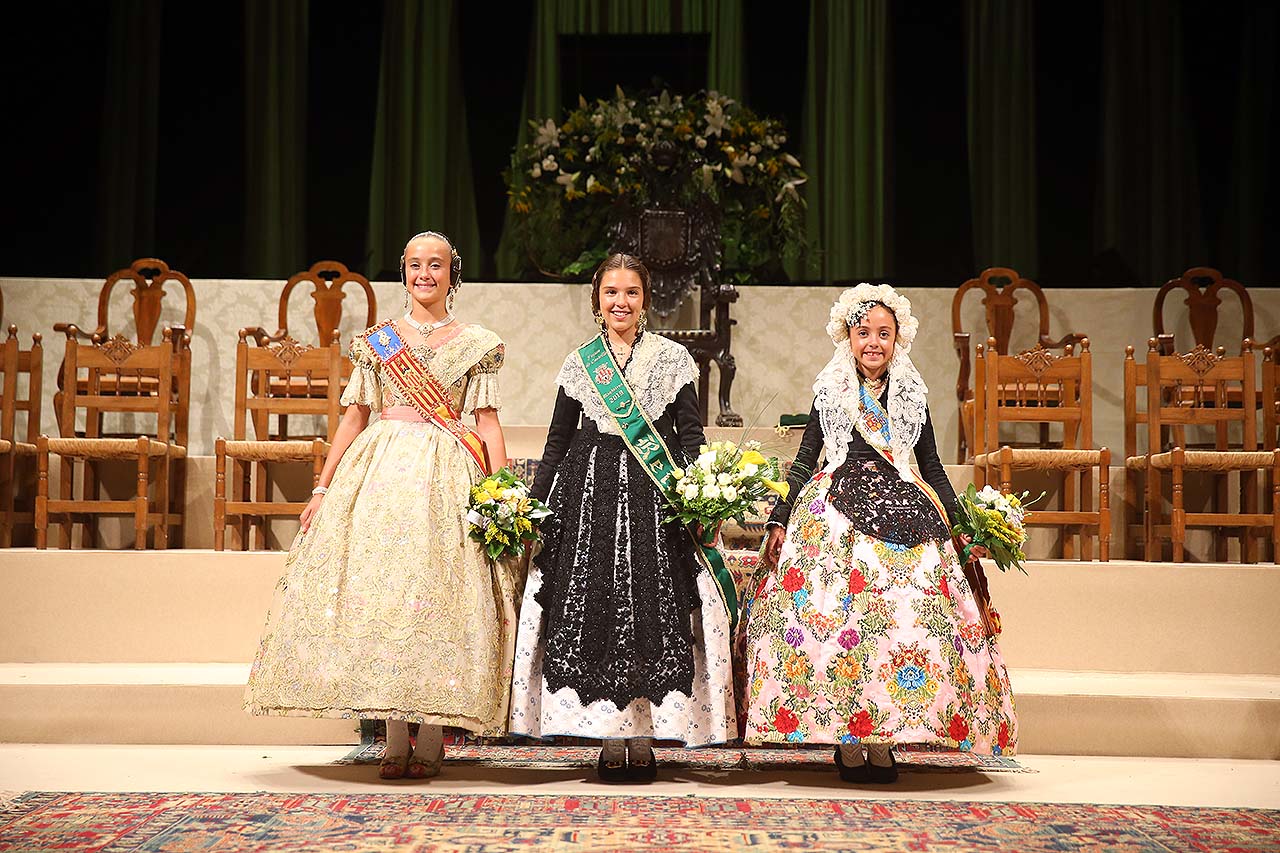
{"x": 1050, "y": 725}
{"x": 201, "y": 607}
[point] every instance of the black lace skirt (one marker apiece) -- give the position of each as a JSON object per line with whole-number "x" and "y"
{"x": 868, "y": 491}
{"x": 618, "y": 585}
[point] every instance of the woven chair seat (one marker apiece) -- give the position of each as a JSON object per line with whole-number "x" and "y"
{"x": 5, "y": 446}
{"x": 1216, "y": 460}
{"x": 1135, "y": 463}
{"x": 274, "y": 451}
{"x": 22, "y": 448}
{"x": 1054, "y": 459}
{"x": 114, "y": 448}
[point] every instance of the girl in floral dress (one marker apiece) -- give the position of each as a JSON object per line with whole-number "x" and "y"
{"x": 863, "y": 630}
{"x": 386, "y": 609}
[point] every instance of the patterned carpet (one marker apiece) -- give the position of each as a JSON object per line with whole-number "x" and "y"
{"x": 541, "y": 757}
{"x": 303, "y": 823}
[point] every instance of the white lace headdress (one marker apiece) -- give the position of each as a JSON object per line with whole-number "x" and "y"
{"x": 838, "y": 402}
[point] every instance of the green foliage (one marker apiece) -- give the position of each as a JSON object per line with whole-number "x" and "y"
{"x": 563, "y": 184}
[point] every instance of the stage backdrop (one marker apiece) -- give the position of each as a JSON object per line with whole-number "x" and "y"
{"x": 779, "y": 340}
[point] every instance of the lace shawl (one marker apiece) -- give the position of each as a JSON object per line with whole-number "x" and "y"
{"x": 472, "y": 357}
{"x": 840, "y": 410}
{"x": 658, "y": 369}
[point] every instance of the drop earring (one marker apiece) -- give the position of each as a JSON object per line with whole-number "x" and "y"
{"x": 599, "y": 318}
{"x": 406, "y": 298}
{"x": 643, "y": 322}
{"x": 448, "y": 299}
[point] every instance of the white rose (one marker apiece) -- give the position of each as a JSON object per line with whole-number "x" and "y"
{"x": 707, "y": 460}
{"x": 711, "y": 492}
{"x": 690, "y": 491}
{"x": 730, "y": 493}
{"x": 750, "y": 469}
{"x": 988, "y": 494}
{"x": 724, "y": 479}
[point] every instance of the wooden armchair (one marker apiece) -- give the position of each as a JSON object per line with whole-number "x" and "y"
{"x": 328, "y": 280}
{"x": 1203, "y": 286}
{"x": 999, "y": 287}
{"x": 279, "y": 378}
{"x": 1199, "y": 388}
{"x": 15, "y": 446}
{"x": 126, "y": 370}
{"x": 1039, "y": 387}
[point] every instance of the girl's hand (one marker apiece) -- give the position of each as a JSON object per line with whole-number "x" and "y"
{"x": 773, "y": 546}
{"x": 960, "y": 540}
{"x": 309, "y": 512}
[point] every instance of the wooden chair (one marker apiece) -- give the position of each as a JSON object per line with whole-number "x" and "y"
{"x": 329, "y": 280}
{"x": 1203, "y": 286}
{"x": 280, "y": 378}
{"x": 1039, "y": 387}
{"x": 14, "y": 364}
{"x": 121, "y": 366}
{"x": 999, "y": 287}
{"x": 1199, "y": 388}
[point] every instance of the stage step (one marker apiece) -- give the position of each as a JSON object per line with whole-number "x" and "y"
{"x": 207, "y": 607}
{"x": 1062, "y": 713}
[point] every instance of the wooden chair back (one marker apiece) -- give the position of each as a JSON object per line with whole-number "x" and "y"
{"x": 329, "y": 280}
{"x": 118, "y": 364}
{"x": 15, "y": 363}
{"x": 1203, "y": 286}
{"x": 1036, "y": 386}
{"x": 1269, "y": 394}
{"x": 283, "y": 378}
{"x": 1202, "y": 388}
{"x": 148, "y": 277}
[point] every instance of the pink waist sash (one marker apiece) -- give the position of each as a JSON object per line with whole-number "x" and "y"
{"x": 403, "y": 413}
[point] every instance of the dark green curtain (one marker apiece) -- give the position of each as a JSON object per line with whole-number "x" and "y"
{"x": 553, "y": 18}
{"x": 1148, "y": 201}
{"x": 421, "y": 165}
{"x": 846, "y": 115}
{"x": 130, "y": 122}
{"x": 1000, "y": 62}
{"x": 1251, "y": 165}
{"x": 275, "y": 50}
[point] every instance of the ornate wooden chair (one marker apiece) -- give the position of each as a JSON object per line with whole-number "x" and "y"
{"x": 1203, "y": 286}
{"x": 328, "y": 280}
{"x": 279, "y": 378}
{"x": 681, "y": 246}
{"x": 1199, "y": 388}
{"x": 124, "y": 368}
{"x": 999, "y": 287}
{"x": 1037, "y": 386}
{"x": 18, "y": 447}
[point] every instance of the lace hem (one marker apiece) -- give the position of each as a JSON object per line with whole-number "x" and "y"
{"x": 658, "y": 369}
{"x": 482, "y": 393}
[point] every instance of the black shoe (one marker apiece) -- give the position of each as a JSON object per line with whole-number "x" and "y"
{"x": 883, "y": 775}
{"x": 609, "y": 772}
{"x": 643, "y": 772}
{"x": 857, "y": 774}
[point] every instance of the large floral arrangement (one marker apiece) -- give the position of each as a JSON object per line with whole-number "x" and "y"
{"x": 563, "y": 184}
{"x": 502, "y": 517}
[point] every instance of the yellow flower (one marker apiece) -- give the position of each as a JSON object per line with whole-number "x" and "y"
{"x": 752, "y": 457}
{"x": 779, "y": 489}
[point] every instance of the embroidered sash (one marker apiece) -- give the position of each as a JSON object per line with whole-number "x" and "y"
{"x": 873, "y": 423}
{"x": 422, "y": 390}
{"x": 650, "y": 450}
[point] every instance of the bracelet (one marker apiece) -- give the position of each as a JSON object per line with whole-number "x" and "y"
{"x": 320, "y": 490}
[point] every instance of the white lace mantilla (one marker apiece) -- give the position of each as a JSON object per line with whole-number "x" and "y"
{"x": 840, "y": 408}
{"x": 658, "y": 369}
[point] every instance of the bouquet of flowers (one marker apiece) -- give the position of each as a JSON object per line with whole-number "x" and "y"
{"x": 502, "y": 516}
{"x": 995, "y": 521}
{"x": 723, "y": 482}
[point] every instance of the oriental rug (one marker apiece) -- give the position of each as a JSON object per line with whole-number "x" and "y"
{"x": 426, "y": 823}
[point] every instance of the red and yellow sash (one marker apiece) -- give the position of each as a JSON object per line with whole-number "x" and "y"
{"x": 422, "y": 390}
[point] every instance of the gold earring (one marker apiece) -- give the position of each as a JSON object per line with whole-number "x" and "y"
{"x": 599, "y": 318}
{"x": 406, "y": 297}
{"x": 448, "y": 299}
{"x": 643, "y": 322}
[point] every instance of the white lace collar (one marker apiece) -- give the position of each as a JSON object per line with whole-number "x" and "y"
{"x": 839, "y": 407}
{"x": 657, "y": 370}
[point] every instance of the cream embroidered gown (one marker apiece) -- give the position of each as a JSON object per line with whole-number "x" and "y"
{"x": 386, "y": 609}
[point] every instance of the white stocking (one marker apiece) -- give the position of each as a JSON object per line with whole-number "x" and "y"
{"x": 397, "y": 739}
{"x": 430, "y": 739}
{"x": 851, "y": 754}
{"x": 880, "y": 754}
{"x": 638, "y": 749}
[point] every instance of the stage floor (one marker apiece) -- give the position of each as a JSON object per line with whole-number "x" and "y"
{"x": 312, "y": 769}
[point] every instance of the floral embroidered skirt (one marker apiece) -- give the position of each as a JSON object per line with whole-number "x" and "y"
{"x": 386, "y": 609}
{"x": 853, "y": 639}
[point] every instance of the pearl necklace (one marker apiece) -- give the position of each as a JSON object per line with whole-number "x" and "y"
{"x": 425, "y": 329}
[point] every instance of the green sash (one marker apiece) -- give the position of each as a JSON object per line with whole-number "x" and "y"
{"x": 648, "y": 447}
